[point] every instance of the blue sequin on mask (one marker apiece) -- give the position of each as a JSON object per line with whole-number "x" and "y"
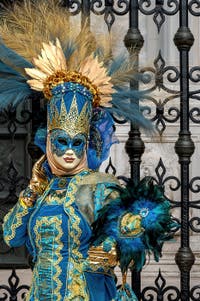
{"x": 61, "y": 142}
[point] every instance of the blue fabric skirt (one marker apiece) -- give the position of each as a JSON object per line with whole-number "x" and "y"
{"x": 100, "y": 286}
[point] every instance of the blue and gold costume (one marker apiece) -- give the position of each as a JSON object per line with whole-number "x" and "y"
{"x": 57, "y": 233}
{"x": 76, "y": 222}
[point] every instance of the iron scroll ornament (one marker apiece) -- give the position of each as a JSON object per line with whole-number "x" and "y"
{"x": 11, "y": 117}
{"x": 13, "y": 291}
{"x": 154, "y": 77}
{"x": 161, "y": 291}
{"x": 193, "y": 6}
{"x": 110, "y": 8}
{"x": 195, "y": 293}
{"x": 159, "y": 11}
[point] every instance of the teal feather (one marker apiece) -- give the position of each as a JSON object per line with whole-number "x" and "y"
{"x": 69, "y": 49}
{"x": 13, "y": 86}
{"x": 40, "y": 139}
{"x": 125, "y": 293}
{"x": 116, "y": 64}
{"x": 10, "y": 84}
{"x": 131, "y": 112}
{"x": 7, "y": 71}
{"x": 12, "y": 59}
{"x": 13, "y": 93}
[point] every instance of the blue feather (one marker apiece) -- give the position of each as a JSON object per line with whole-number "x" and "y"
{"x": 116, "y": 64}
{"x": 40, "y": 139}
{"x": 12, "y": 59}
{"x": 13, "y": 98}
{"x": 99, "y": 52}
{"x": 131, "y": 112}
{"x": 125, "y": 93}
{"x": 69, "y": 49}
{"x": 6, "y": 71}
{"x": 13, "y": 86}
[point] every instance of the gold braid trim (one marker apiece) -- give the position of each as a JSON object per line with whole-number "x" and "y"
{"x": 60, "y": 77}
{"x": 17, "y": 221}
{"x": 76, "y": 282}
{"x": 54, "y": 257}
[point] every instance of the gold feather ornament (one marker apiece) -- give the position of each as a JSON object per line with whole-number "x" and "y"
{"x": 51, "y": 69}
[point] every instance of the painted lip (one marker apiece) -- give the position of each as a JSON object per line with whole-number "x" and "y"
{"x": 69, "y": 160}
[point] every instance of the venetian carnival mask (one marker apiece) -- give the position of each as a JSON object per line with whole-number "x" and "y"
{"x": 67, "y": 151}
{"x": 61, "y": 142}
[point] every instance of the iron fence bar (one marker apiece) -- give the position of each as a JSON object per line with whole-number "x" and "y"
{"x": 85, "y": 16}
{"x": 134, "y": 145}
{"x": 184, "y": 148}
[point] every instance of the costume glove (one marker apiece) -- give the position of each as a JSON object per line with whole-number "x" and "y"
{"x": 37, "y": 185}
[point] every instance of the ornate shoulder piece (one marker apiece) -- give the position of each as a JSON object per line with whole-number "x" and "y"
{"x": 100, "y": 177}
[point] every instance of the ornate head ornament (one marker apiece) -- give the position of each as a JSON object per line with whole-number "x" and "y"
{"x": 65, "y": 112}
{"x": 71, "y": 94}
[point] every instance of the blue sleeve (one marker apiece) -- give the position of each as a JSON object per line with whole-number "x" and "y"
{"x": 15, "y": 225}
{"x": 104, "y": 193}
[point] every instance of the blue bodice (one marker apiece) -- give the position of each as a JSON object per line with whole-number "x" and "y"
{"x": 50, "y": 227}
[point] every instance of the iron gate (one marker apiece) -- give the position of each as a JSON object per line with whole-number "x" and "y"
{"x": 177, "y": 106}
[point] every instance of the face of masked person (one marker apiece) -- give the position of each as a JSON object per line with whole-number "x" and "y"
{"x": 67, "y": 151}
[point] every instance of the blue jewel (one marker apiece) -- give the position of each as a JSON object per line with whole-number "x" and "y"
{"x": 144, "y": 212}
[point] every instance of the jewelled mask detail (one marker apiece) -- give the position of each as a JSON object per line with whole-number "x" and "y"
{"x": 62, "y": 141}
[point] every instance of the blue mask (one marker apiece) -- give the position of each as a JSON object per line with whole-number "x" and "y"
{"x": 61, "y": 142}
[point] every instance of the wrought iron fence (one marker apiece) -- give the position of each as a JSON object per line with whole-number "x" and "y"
{"x": 177, "y": 106}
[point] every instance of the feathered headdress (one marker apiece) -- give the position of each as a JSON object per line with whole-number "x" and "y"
{"x": 41, "y": 52}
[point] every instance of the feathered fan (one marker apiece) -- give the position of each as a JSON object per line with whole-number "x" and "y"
{"x": 138, "y": 223}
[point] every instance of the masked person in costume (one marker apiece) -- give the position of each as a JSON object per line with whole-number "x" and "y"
{"x": 76, "y": 222}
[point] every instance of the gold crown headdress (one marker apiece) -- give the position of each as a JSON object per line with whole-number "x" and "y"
{"x": 73, "y": 122}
